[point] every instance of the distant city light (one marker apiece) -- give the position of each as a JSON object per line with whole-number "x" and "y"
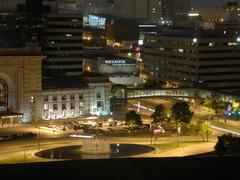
{"x": 147, "y": 25}
{"x": 140, "y": 42}
{"x": 238, "y": 39}
{"x": 195, "y": 40}
{"x": 193, "y": 14}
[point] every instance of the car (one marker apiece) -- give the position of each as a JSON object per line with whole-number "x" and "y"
{"x": 5, "y": 137}
{"x": 30, "y": 134}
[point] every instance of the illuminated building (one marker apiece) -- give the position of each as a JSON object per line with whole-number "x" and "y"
{"x": 23, "y": 93}
{"x": 207, "y": 59}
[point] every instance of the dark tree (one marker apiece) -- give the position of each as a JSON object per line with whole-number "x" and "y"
{"x": 181, "y": 113}
{"x": 214, "y": 101}
{"x": 159, "y": 115}
{"x": 133, "y": 119}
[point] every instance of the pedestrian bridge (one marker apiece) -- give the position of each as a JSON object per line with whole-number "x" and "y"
{"x": 176, "y": 93}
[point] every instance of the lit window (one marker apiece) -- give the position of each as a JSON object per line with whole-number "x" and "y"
{"x": 81, "y": 104}
{"x": 181, "y": 50}
{"x": 32, "y": 99}
{"x": 232, "y": 44}
{"x": 211, "y": 44}
{"x": 195, "y": 40}
{"x": 45, "y": 107}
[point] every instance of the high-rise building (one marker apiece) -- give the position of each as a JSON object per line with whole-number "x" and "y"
{"x": 62, "y": 39}
{"x": 192, "y": 58}
{"x": 172, "y": 8}
{"x": 155, "y": 11}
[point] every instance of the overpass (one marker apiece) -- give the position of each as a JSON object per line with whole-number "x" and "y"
{"x": 120, "y": 95}
{"x": 189, "y": 93}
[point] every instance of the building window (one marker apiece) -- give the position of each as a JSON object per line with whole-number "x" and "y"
{"x": 81, "y": 104}
{"x": 99, "y": 104}
{"x": 64, "y": 106}
{"x": 45, "y": 98}
{"x": 32, "y": 99}
{"x": 80, "y": 112}
{"x": 98, "y": 95}
{"x": 81, "y": 96}
{"x": 55, "y": 107}
{"x": 45, "y": 107}
{"x": 54, "y": 97}
{"x": 3, "y": 95}
{"x": 64, "y": 97}
{"x": 72, "y": 106}
{"x": 72, "y": 97}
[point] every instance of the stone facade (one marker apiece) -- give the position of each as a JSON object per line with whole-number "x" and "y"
{"x": 22, "y": 73}
{"x": 73, "y": 103}
{"x": 23, "y": 77}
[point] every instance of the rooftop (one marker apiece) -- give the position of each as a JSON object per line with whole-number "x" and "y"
{"x": 74, "y": 81}
{"x": 10, "y": 39}
{"x": 193, "y": 33}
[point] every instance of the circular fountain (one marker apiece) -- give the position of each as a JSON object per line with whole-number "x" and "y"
{"x": 95, "y": 149}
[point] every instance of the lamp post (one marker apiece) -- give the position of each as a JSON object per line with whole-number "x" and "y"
{"x": 151, "y": 132}
{"x": 178, "y": 132}
{"x": 38, "y": 138}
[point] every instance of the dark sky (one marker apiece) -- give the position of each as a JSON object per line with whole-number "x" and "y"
{"x": 210, "y": 3}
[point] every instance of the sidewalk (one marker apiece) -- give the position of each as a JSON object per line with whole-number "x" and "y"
{"x": 189, "y": 150}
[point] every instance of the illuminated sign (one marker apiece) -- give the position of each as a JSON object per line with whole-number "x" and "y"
{"x": 117, "y": 62}
{"x": 96, "y": 21}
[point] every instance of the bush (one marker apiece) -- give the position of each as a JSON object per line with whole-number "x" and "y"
{"x": 227, "y": 144}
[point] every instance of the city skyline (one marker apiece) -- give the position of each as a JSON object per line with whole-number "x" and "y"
{"x": 210, "y": 3}
{"x": 195, "y": 3}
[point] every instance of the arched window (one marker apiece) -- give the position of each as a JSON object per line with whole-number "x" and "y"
{"x": 3, "y": 95}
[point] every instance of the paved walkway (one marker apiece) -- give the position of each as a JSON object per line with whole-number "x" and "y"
{"x": 187, "y": 151}
{"x": 225, "y": 130}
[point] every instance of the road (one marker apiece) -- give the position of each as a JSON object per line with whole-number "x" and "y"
{"x": 51, "y": 139}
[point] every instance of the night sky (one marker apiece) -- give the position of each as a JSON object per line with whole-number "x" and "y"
{"x": 210, "y": 3}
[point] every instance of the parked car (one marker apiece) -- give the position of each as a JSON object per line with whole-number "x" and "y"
{"x": 5, "y": 138}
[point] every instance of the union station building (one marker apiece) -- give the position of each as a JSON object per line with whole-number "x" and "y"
{"x": 26, "y": 97}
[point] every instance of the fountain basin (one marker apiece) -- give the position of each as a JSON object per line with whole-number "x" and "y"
{"x": 76, "y": 152}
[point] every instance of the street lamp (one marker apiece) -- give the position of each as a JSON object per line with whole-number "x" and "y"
{"x": 38, "y": 135}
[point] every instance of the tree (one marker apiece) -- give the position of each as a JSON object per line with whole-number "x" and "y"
{"x": 159, "y": 115}
{"x": 202, "y": 129}
{"x": 214, "y": 101}
{"x": 181, "y": 113}
{"x": 133, "y": 119}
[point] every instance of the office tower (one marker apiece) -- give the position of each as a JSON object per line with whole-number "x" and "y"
{"x": 155, "y": 11}
{"x": 208, "y": 59}
{"x": 172, "y": 8}
{"x": 62, "y": 39}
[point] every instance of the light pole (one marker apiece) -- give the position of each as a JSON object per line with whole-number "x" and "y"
{"x": 24, "y": 152}
{"x": 151, "y": 132}
{"x": 38, "y": 138}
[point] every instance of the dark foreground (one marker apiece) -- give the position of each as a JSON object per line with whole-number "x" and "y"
{"x": 149, "y": 169}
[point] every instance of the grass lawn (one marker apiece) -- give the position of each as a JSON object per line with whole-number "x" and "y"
{"x": 173, "y": 145}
